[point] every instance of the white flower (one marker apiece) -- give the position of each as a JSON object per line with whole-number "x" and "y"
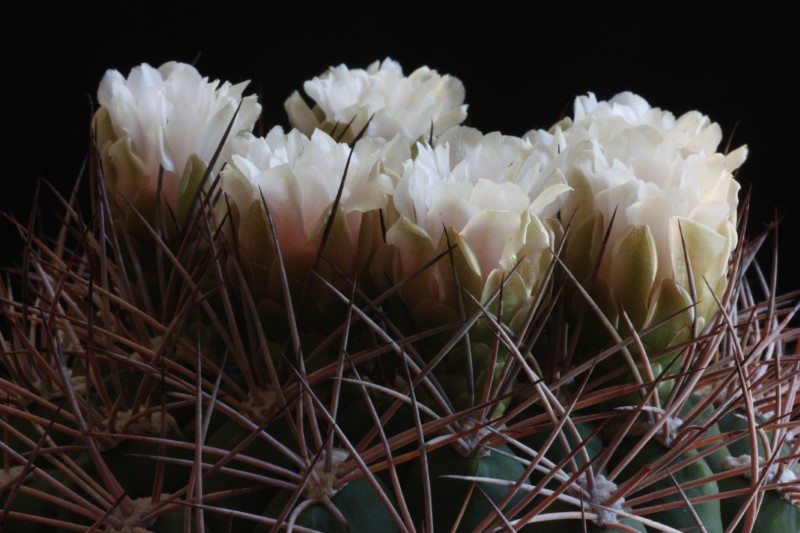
{"x": 160, "y": 118}
{"x": 664, "y": 177}
{"x": 299, "y": 177}
{"x": 476, "y": 188}
{"x": 397, "y": 104}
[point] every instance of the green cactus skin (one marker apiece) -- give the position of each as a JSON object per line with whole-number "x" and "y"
{"x": 737, "y": 422}
{"x": 714, "y": 459}
{"x": 134, "y": 467}
{"x": 227, "y": 437}
{"x": 776, "y": 513}
{"x": 449, "y": 494}
{"x": 681, "y": 517}
{"x": 558, "y": 450}
{"x": 358, "y": 503}
{"x": 593, "y": 444}
{"x": 31, "y": 505}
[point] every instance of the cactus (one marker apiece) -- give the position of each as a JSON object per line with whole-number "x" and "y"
{"x": 172, "y": 370}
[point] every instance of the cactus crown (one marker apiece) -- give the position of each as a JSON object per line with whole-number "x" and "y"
{"x": 338, "y": 331}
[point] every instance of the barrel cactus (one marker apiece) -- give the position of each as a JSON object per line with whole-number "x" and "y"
{"x": 385, "y": 321}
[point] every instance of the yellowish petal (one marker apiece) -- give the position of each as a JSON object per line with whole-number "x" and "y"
{"x": 633, "y": 270}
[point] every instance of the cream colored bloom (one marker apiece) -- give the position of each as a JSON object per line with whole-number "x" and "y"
{"x": 398, "y": 104}
{"x": 162, "y": 118}
{"x": 664, "y": 178}
{"x": 298, "y": 177}
{"x": 488, "y": 194}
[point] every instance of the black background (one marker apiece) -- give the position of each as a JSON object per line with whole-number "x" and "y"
{"x": 521, "y": 71}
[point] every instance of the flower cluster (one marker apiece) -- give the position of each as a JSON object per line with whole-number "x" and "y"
{"x": 456, "y": 218}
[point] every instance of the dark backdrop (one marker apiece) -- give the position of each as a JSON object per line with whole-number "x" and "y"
{"x": 521, "y": 71}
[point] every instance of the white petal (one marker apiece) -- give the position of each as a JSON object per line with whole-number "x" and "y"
{"x": 487, "y": 234}
{"x": 396, "y": 104}
{"x": 172, "y": 113}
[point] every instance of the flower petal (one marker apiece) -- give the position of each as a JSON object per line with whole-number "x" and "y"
{"x": 634, "y": 266}
{"x": 381, "y": 99}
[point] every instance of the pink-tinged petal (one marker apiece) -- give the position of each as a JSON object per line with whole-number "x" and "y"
{"x": 299, "y": 178}
{"x": 487, "y": 234}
